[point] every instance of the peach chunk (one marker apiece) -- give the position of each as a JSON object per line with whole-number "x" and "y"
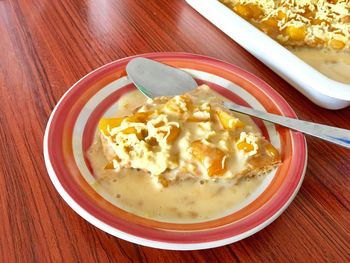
{"x": 173, "y": 134}
{"x": 281, "y": 15}
{"x": 110, "y": 164}
{"x": 212, "y": 158}
{"x": 337, "y": 44}
{"x": 271, "y": 22}
{"x": 139, "y": 117}
{"x": 228, "y": 121}
{"x": 163, "y": 181}
{"x": 296, "y": 33}
{"x": 244, "y": 11}
{"x": 255, "y": 10}
{"x": 245, "y": 146}
{"x": 346, "y": 19}
{"x": 106, "y": 124}
{"x": 316, "y": 21}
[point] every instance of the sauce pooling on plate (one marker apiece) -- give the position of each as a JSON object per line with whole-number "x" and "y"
{"x": 188, "y": 201}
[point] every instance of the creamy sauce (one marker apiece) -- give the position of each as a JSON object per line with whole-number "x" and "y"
{"x": 128, "y": 102}
{"x": 184, "y": 201}
{"x": 335, "y": 65}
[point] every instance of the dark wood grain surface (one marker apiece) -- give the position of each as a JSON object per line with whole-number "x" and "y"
{"x": 46, "y": 46}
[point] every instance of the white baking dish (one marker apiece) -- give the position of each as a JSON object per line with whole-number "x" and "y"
{"x": 317, "y": 87}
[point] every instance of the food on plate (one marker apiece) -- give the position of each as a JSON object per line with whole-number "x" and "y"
{"x": 186, "y": 136}
{"x": 184, "y": 157}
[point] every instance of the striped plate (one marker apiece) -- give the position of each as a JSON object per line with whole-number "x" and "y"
{"x": 72, "y": 126}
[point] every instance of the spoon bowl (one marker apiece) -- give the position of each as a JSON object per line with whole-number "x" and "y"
{"x": 155, "y": 79}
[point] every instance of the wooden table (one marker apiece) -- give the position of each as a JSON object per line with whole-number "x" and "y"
{"x": 46, "y": 46}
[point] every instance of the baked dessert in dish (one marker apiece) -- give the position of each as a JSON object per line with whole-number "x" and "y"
{"x": 186, "y": 136}
{"x": 312, "y": 23}
{"x": 316, "y": 31}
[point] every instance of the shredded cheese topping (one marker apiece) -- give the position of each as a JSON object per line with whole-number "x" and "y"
{"x": 189, "y": 135}
{"x": 313, "y": 23}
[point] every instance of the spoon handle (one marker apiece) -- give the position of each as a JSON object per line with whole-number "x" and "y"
{"x": 332, "y": 134}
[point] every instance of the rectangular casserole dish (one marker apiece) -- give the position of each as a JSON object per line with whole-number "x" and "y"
{"x": 320, "y": 89}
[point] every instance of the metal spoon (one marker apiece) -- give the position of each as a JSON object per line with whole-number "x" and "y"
{"x": 155, "y": 79}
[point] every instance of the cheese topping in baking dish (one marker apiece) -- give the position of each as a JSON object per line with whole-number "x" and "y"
{"x": 313, "y": 23}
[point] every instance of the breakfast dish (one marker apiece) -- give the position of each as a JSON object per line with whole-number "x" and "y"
{"x": 227, "y": 212}
{"x": 187, "y": 142}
